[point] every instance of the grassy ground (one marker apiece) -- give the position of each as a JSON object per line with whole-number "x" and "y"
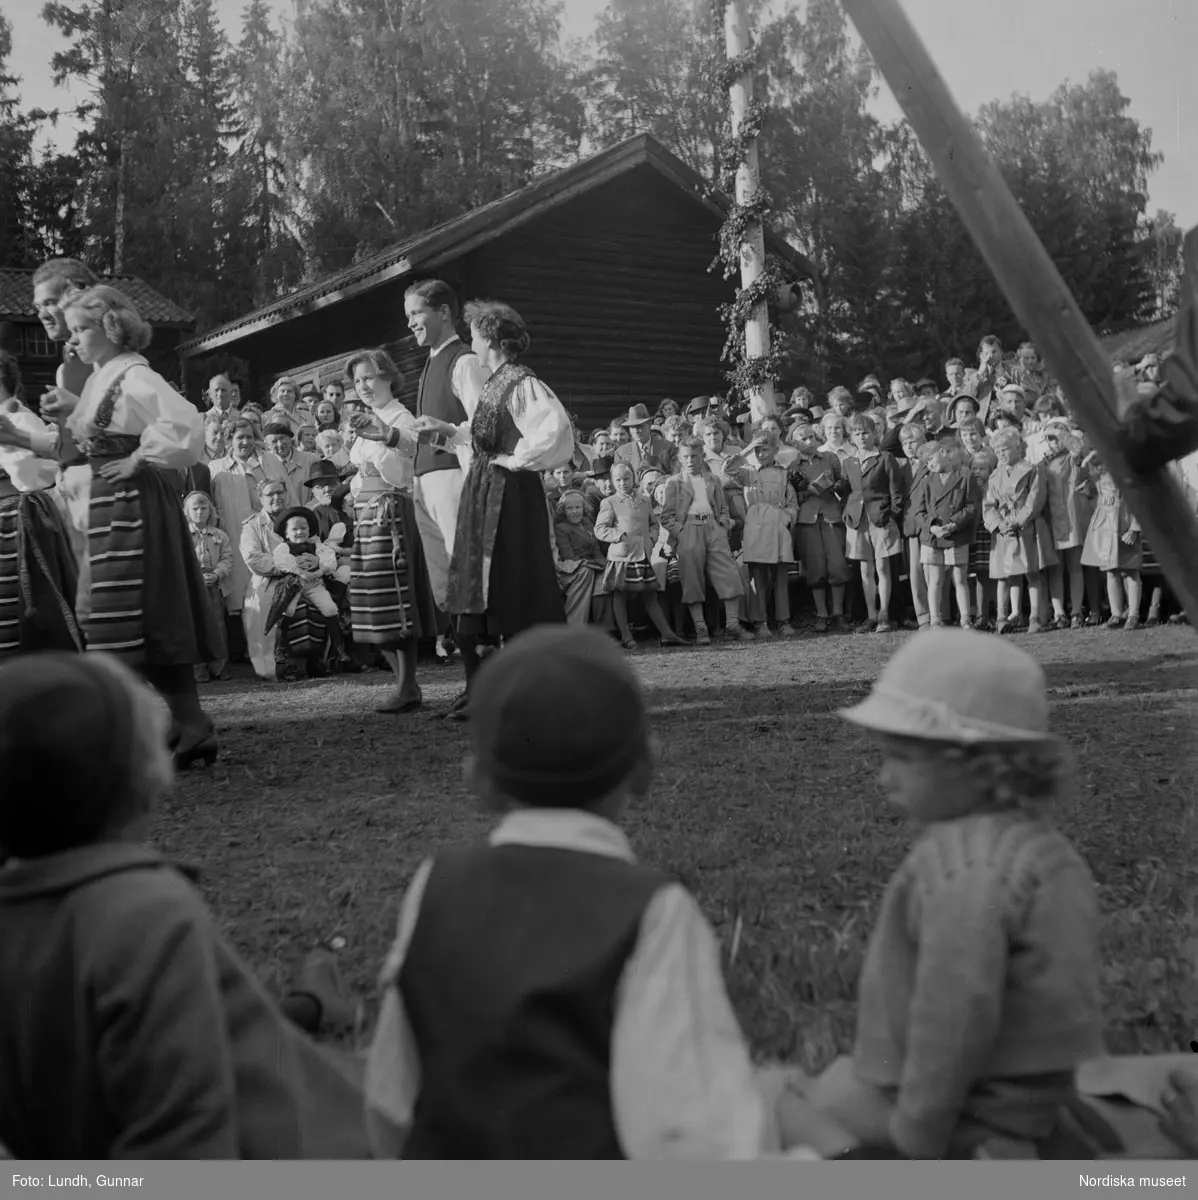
{"x": 319, "y": 810}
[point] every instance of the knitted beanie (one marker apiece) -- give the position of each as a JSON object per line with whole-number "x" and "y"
{"x": 557, "y": 717}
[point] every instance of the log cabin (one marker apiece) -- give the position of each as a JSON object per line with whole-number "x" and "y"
{"x": 609, "y": 262}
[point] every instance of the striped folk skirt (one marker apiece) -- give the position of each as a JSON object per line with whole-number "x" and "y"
{"x": 390, "y": 598}
{"x": 148, "y": 602}
{"x": 37, "y": 577}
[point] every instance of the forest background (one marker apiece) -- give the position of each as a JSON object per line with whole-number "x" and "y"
{"x": 228, "y": 171}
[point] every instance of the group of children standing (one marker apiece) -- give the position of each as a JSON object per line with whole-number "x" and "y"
{"x": 1004, "y": 525}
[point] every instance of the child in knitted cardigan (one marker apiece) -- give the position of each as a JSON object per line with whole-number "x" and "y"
{"x": 979, "y": 994}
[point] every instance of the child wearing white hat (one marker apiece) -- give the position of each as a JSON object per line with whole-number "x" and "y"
{"x": 979, "y": 993}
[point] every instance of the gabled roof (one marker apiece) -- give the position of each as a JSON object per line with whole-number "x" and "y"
{"x": 452, "y": 239}
{"x": 16, "y": 299}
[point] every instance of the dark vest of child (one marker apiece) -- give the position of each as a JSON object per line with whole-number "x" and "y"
{"x": 435, "y": 398}
{"x": 510, "y": 983}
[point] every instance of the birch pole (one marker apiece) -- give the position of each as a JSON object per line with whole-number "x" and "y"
{"x": 1029, "y": 279}
{"x": 762, "y": 399}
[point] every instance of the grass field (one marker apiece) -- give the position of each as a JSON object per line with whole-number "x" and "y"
{"x": 313, "y": 821}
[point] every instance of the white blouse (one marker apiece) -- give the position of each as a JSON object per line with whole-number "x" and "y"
{"x": 170, "y": 428}
{"x": 28, "y": 472}
{"x": 396, "y": 467}
{"x": 546, "y": 434}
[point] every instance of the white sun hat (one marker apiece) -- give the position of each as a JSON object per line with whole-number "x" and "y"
{"x": 958, "y": 686}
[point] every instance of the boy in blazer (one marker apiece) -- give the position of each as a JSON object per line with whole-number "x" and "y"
{"x": 871, "y": 516}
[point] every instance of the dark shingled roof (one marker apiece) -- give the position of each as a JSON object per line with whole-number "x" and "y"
{"x": 429, "y": 250}
{"x": 16, "y": 299}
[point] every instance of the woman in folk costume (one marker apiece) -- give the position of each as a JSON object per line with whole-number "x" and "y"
{"x": 144, "y": 599}
{"x": 501, "y": 576}
{"x": 390, "y": 598}
{"x": 37, "y": 565}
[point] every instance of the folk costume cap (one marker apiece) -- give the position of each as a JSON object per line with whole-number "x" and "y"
{"x": 557, "y": 717}
{"x": 298, "y": 511}
{"x": 958, "y": 686}
{"x": 638, "y": 414}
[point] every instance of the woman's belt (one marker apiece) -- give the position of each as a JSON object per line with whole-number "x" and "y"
{"x": 109, "y": 445}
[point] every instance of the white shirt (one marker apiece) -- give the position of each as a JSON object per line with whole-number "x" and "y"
{"x": 170, "y": 428}
{"x": 700, "y": 502}
{"x": 681, "y": 1081}
{"x": 397, "y": 467}
{"x": 26, "y": 471}
{"x": 546, "y": 434}
{"x": 468, "y": 376}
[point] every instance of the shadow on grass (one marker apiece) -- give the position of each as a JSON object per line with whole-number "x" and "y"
{"x": 765, "y": 805}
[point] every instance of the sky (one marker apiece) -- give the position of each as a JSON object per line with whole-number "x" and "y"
{"x": 985, "y": 50}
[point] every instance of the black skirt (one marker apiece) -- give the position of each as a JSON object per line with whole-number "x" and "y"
{"x": 522, "y": 589}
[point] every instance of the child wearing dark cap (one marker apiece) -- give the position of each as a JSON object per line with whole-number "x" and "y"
{"x": 132, "y": 1029}
{"x": 547, "y": 996}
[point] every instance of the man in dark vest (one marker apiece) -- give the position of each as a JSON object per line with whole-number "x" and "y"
{"x": 449, "y": 388}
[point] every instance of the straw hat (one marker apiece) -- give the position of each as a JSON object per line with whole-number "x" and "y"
{"x": 958, "y": 686}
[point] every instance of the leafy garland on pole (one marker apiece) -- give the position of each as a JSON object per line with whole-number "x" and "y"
{"x": 745, "y": 375}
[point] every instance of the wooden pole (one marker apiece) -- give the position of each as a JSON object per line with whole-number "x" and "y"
{"x": 1027, "y": 275}
{"x": 762, "y": 401}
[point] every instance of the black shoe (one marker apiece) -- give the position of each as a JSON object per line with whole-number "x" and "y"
{"x": 459, "y": 708}
{"x": 196, "y": 745}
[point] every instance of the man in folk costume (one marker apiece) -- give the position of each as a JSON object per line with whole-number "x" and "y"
{"x": 646, "y": 446}
{"x": 448, "y": 391}
{"x": 53, "y": 282}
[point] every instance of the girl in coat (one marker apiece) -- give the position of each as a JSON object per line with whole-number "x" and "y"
{"x": 982, "y": 461}
{"x": 771, "y": 510}
{"x": 820, "y": 488}
{"x": 1070, "y": 507}
{"x": 215, "y": 554}
{"x": 1022, "y": 543}
{"x": 914, "y": 468}
{"x": 1114, "y": 545}
{"x": 627, "y": 524}
{"x": 947, "y": 507}
{"x": 871, "y": 516}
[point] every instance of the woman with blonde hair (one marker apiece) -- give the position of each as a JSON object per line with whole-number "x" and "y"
{"x": 141, "y": 593}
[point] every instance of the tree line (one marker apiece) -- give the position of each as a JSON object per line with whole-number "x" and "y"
{"x": 229, "y": 171}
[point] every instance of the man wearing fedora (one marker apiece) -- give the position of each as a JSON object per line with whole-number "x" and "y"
{"x": 324, "y": 481}
{"x": 646, "y": 446}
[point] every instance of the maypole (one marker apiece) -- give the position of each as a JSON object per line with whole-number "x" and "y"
{"x": 742, "y": 240}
